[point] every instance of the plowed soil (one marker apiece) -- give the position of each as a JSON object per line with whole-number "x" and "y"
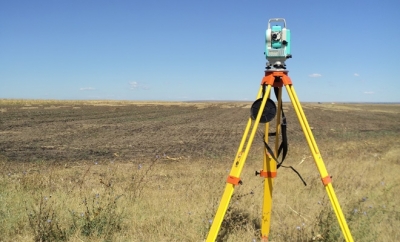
{"x": 74, "y": 131}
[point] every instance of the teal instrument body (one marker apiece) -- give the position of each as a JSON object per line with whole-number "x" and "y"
{"x": 277, "y": 41}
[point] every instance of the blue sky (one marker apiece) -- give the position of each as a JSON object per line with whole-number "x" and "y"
{"x": 343, "y": 51}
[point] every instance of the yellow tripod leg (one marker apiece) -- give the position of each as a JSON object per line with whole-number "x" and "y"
{"x": 319, "y": 162}
{"x": 269, "y": 173}
{"x": 233, "y": 178}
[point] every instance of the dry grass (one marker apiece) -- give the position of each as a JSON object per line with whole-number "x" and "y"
{"x": 175, "y": 198}
{"x": 36, "y": 103}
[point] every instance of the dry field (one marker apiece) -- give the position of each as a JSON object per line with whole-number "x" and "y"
{"x": 137, "y": 171}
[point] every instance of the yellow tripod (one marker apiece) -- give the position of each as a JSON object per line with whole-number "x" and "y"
{"x": 276, "y": 79}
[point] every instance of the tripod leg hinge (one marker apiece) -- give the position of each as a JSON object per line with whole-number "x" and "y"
{"x": 326, "y": 180}
{"x": 267, "y": 174}
{"x": 234, "y": 180}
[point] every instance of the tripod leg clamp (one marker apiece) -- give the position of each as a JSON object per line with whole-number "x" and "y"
{"x": 266, "y": 174}
{"x": 326, "y": 180}
{"x": 234, "y": 180}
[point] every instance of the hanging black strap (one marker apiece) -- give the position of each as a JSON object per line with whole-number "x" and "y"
{"x": 298, "y": 174}
{"x": 283, "y": 147}
{"x": 279, "y": 164}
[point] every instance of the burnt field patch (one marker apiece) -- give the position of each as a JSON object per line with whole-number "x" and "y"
{"x": 88, "y": 132}
{"x": 83, "y": 131}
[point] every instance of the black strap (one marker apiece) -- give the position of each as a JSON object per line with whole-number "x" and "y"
{"x": 298, "y": 174}
{"x": 279, "y": 164}
{"x": 283, "y": 147}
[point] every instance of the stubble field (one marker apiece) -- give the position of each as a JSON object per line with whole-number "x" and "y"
{"x": 140, "y": 171}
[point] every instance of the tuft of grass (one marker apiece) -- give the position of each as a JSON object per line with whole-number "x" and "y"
{"x": 99, "y": 219}
{"x": 44, "y": 223}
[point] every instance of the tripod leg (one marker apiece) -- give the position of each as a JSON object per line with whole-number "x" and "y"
{"x": 269, "y": 167}
{"x": 319, "y": 162}
{"x": 233, "y": 178}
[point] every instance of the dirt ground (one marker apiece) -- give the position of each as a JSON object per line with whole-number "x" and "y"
{"x": 74, "y": 131}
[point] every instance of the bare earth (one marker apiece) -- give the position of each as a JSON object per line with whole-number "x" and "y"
{"x": 86, "y": 131}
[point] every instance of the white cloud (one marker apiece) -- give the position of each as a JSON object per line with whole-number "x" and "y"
{"x": 87, "y": 89}
{"x": 315, "y": 75}
{"x": 133, "y": 85}
{"x": 368, "y": 92}
{"x": 137, "y": 85}
{"x": 356, "y": 74}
